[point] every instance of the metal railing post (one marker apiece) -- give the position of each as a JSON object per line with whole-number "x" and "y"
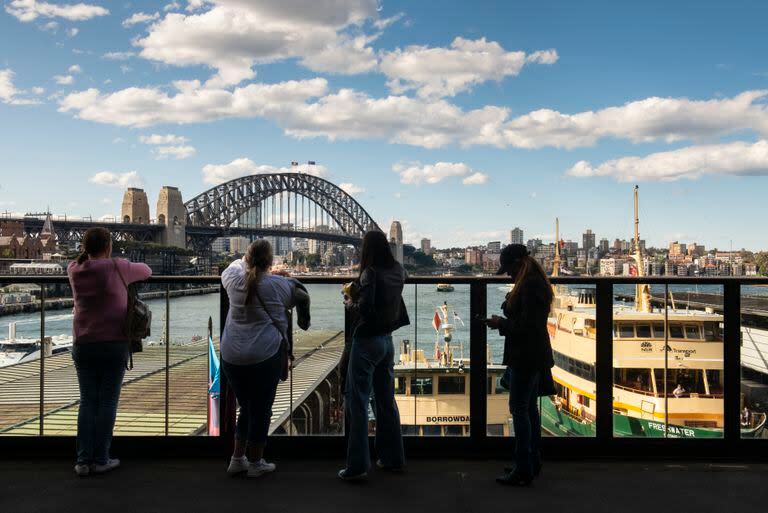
{"x": 478, "y": 351}
{"x": 732, "y": 362}
{"x": 167, "y": 357}
{"x": 604, "y": 361}
{"x": 42, "y": 359}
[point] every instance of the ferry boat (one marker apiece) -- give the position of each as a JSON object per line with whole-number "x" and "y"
{"x": 19, "y": 350}
{"x": 432, "y": 393}
{"x": 686, "y": 348}
{"x": 444, "y": 287}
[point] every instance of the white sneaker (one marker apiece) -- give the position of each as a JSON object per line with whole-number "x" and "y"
{"x": 82, "y": 470}
{"x": 261, "y": 467}
{"x": 111, "y": 464}
{"x": 237, "y": 465}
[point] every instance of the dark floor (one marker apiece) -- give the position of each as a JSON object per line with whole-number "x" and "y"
{"x": 440, "y": 486}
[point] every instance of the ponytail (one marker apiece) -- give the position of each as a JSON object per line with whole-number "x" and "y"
{"x": 258, "y": 259}
{"x": 95, "y": 242}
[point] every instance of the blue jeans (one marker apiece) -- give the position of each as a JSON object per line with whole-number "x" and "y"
{"x": 523, "y": 399}
{"x": 100, "y": 369}
{"x": 255, "y": 387}
{"x": 371, "y": 368}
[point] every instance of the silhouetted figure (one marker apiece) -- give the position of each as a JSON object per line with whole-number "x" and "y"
{"x": 254, "y": 348}
{"x": 527, "y": 355}
{"x": 101, "y": 344}
{"x": 381, "y": 310}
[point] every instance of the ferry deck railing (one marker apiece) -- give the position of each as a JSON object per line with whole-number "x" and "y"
{"x": 478, "y": 443}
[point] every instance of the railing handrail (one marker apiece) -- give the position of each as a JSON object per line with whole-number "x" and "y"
{"x": 428, "y": 280}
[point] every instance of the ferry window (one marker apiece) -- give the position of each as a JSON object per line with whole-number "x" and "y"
{"x": 454, "y": 431}
{"x": 715, "y": 381}
{"x": 421, "y": 386}
{"x": 675, "y": 331}
{"x": 432, "y": 430}
{"x": 711, "y": 332}
{"x": 626, "y": 330}
{"x": 495, "y": 430}
{"x": 410, "y": 430}
{"x": 692, "y": 332}
{"x": 451, "y": 385}
{"x": 400, "y": 385}
{"x": 658, "y": 330}
{"x": 643, "y": 330}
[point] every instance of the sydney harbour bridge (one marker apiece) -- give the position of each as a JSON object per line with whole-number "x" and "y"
{"x": 290, "y": 204}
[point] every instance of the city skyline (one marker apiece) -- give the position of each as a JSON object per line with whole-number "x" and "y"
{"x": 460, "y": 121}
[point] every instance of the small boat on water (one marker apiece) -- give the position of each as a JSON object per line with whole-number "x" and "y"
{"x": 444, "y": 287}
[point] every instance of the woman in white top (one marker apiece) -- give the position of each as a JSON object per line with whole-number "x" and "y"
{"x": 253, "y": 346}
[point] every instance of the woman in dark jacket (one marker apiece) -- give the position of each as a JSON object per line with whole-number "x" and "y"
{"x": 527, "y": 355}
{"x": 381, "y": 310}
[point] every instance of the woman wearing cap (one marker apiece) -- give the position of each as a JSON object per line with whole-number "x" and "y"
{"x": 527, "y": 355}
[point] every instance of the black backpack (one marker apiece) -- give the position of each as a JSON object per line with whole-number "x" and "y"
{"x": 138, "y": 320}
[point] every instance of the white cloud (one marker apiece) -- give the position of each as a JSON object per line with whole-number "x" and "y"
{"x": 72, "y": 31}
{"x": 416, "y": 174}
{"x": 173, "y": 6}
{"x": 476, "y": 179}
{"x": 351, "y": 189}
{"x": 438, "y": 72}
{"x": 735, "y": 158}
{"x": 306, "y": 108}
{"x": 30, "y": 10}
{"x": 64, "y": 79}
{"x": 234, "y": 35}
{"x": 174, "y": 152}
{"x": 51, "y": 26}
{"x": 122, "y": 180}
{"x": 10, "y": 95}
{"x": 140, "y": 17}
{"x": 118, "y": 56}
{"x": 215, "y": 174}
{"x": 75, "y": 68}
{"x": 163, "y": 139}
{"x": 140, "y": 107}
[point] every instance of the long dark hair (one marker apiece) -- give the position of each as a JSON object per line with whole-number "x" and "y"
{"x": 530, "y": 273}
{"x": 376, "y": 251}
{"x": 96, "y": 240}
{"x": 258, "y": 259}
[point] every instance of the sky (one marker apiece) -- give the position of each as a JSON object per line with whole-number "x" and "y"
{"x": 462, "y": 120}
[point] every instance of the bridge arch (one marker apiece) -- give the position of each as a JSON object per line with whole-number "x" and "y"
{"x": 226, "y": 203}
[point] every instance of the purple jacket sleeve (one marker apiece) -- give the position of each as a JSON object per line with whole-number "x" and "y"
{"x": 133, "y": 271}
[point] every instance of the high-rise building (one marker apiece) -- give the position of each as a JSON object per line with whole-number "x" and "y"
{"x": 533, "y": 245}
{"x": 494, "y": 247}
{"x": 516, "y": 236}
{"x": 396, "y": 240}
{"x": 319, "y": 247}
{"x": 473, "y": 256}
{"x": 588, "y": 240}
{"x": 426, "y": 246}
{"x": 604, "y": 246}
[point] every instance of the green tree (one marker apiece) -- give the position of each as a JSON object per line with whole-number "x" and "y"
{"x": 761, "y": 259}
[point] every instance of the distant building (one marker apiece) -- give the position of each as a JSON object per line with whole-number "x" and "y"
{"x": 220, "y": 245}
{"x": 604, "y": 246}
{"x": 516, "y": 236}
{"x": 533, "y": 245}
{"x": 611, "y": 266}
{"x": 396, "y": 240}
{"x": 238, "y": 245}
{"x": 473, "y": 256}
{"x": 570, "y": 247}
{"x": 677, "y": 249}
{"x": 588, "y": 240}
{"x": 491, "y": 262}
{"x": 494, "y": 247}
{"x": 426, "y": 246}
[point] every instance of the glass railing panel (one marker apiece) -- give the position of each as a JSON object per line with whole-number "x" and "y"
{"x": 668, "y": 361}
{"x": 754, "y": 361}
{"x": 433, "y": 374}
{"x": 310, "y": 401}
{"x": 190, "y": 410}
{"x": 20, "y": 363}
{"x": 571, "y": 411}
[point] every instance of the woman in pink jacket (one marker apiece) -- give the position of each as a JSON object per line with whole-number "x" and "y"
{"x": 101, "y": 347}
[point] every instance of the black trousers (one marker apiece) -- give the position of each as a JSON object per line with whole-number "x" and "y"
{"x": 255, "y": 387}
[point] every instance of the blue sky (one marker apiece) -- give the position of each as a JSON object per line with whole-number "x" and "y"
{"x": 460, "y": 119}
